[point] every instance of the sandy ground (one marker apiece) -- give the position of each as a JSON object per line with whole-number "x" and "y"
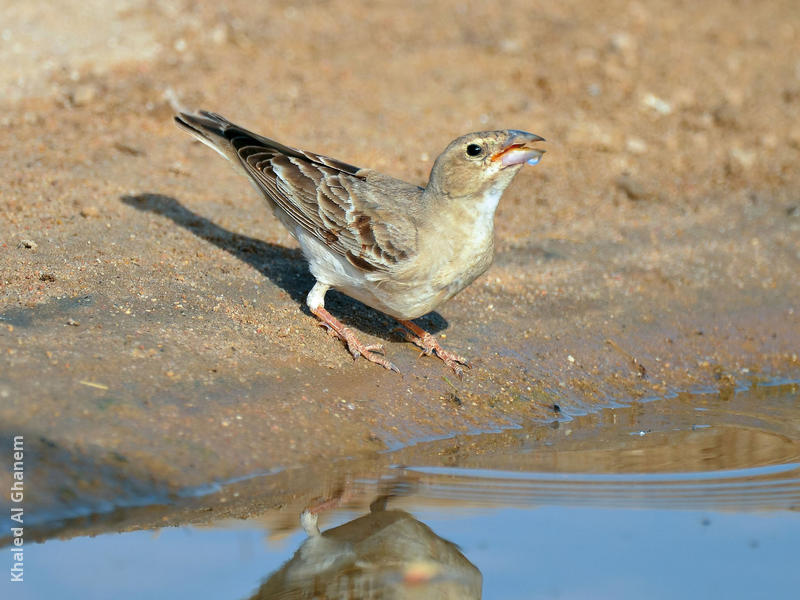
{"x": 152, "y": 328}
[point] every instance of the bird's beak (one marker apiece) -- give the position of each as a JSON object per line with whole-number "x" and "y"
{"x": 519, "y": 149}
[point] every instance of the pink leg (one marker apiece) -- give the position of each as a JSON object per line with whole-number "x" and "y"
{"x": 309, "y": 517}
{"x": 355, "y": 347}
{"x": 430, "y": 345}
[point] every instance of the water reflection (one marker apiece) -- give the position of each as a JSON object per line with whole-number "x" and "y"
{"x": 696, "y": 496}
{"x": 384, "y": 554}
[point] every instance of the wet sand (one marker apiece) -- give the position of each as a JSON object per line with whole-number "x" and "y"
{"x": 153, "y": 332}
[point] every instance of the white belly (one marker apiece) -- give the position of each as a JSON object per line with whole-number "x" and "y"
{"x": 444, "y": 265}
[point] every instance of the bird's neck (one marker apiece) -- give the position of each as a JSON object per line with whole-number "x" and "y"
{"x": 486, "y": 205}
{"x": 469, "y": 219}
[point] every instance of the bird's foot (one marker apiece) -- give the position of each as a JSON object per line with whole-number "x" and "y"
{"x": 430, "y": 345}
{"x": 371, "y": 352}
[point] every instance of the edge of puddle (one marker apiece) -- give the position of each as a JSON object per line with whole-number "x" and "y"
{"x": 295, "y": 486}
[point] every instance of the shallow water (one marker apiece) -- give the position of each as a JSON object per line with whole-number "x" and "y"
{"x": 696, "y": 496}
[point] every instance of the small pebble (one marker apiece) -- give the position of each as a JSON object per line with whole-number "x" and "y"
{"x": 635, "y": 145}
{"x": 28, "y": 244}
{"x": 725, "y": 115}
{"x": 739, "y": 157}
{"x": 624, "y": 44}
{"x": 89, "y": 211}
{"x": 83, "y": 94}
{"x": 659, "y": 105}
{"x": 632, "y": 187}
{"x": 219, "y": 35}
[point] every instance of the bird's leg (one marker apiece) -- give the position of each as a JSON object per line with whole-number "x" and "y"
{"x": 308, "y": 518}
{"x": 430, "y": 345}
{"x": 356, "y": 348}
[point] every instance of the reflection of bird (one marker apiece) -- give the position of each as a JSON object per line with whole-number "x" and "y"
{"x": 386, "y": 554}
{"x": 394, "y": 246}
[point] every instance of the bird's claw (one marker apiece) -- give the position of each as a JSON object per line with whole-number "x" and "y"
{"x": 429, "y": 346}
{"x": 372, "y": 352}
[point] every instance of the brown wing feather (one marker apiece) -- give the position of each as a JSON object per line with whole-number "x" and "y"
{"x": 330, "y": 199}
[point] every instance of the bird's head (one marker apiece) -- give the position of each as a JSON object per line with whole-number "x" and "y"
{"x": 483, "y": 163}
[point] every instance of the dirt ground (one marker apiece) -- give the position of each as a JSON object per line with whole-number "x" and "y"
{"x": 153, "y": 333}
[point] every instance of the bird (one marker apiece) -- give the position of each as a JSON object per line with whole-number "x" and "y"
{"x": 397, "y": 247}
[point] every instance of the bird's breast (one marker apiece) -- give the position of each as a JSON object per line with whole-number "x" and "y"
{"x": 446, "y": 263}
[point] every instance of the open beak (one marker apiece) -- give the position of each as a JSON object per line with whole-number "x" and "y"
{"x": 519, "y": 149}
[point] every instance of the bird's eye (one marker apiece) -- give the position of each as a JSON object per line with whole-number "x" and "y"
{"x": 474, "y": 150}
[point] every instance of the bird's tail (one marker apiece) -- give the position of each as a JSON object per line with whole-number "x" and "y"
{"x": 210, "y": 128}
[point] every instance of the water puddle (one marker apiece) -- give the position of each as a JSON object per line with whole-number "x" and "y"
{"x": 696, "y": 496}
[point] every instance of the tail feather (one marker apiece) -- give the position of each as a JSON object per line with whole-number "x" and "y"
{"x": 226, "y": 138}
{"x": 209, "y": 128}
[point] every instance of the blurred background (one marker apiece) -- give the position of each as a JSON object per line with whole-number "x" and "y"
{"x": 681, "y": 97}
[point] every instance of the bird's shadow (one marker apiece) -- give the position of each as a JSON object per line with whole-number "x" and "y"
{"x": 285, "y": 267}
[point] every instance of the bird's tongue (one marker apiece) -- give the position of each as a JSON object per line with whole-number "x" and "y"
{"x": 516, "y": 154}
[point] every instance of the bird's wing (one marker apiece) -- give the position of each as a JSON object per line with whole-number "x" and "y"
{"x": 340, "y": 204}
